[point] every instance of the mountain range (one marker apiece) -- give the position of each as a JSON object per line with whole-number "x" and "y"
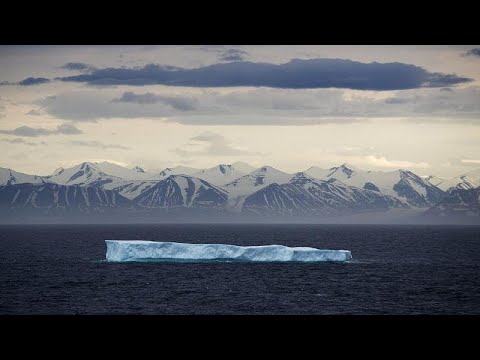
{"x": 235, "y": 189}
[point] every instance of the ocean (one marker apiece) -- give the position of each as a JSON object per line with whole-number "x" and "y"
{"x": 61, "y": 269}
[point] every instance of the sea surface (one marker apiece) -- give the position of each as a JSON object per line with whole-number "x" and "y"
{"x": 61, "y": 269}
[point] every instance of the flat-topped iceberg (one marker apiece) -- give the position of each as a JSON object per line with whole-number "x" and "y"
{"x": 139, "y": 250}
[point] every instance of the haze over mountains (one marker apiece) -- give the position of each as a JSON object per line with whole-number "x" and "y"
{"x": 235, "y": 190}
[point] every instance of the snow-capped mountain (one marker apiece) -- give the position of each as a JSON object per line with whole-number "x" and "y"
{"x": 84, "y": 174}
{"x": 178, "y": 170}
{"x": 103, "y": 175}
{"x": 88, "y": 173}
{"x": 342, "y": 172}
{"x": 11, "y": 177}
{"x": 308, "y": 196}
{"x": 54, "y": 198}
{"x": 183, "y": 191}
{"x": 256, "y": 180}
{"x": 91, "y": 187}
{"x": 467, "y": 181}
{"x": 137, "y": 173}
{"x": 219, "y": 175}
{"x": 403, "y": 184}
{"x": 458, "y": 202}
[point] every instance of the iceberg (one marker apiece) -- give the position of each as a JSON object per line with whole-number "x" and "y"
{"x": 140, "y": 250}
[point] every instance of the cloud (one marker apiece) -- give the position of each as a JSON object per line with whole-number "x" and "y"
{"x": 178, "y": 103}
{"x": 473, "y": 52}
{"x": 214, "y": 145}
{"x": 78, "y": 66}
{"x": 233, "y": 55}
{"x": 296, "y": 74}
{"x": 33, "y": 81}
{"x": 382, "y": 161}
{"x": 366, "y": 157}
{"x": 266, "y": 106}
{"x": 98, "y": 144}
{"x": 470, "y": 161}
{"x": 23, "y": 141}
{"x": 34, "y": 112}
{"x": 27, "y": 82}
{"x": 27, "y": 131}
{"x": 67, "y": 129}
{"x": 462, "y": 162}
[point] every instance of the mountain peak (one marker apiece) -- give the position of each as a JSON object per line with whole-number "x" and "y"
{"x": 266, "y": 168}
{"x": 243, "y": 167}
{"x": 302, "y": 177}
{"x": 224, "y": 168}
{"x": 138, "y": 169}
{"x": 347, "y": 166}
{"x": 58, "y": 171}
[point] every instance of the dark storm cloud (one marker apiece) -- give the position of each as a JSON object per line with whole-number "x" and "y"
{"x": 233, "y": 55}
{"x": 473, "y": 52}
{"x": 296, "y": 74}
{"x": 27, "y": 131}
{"x": 178, "y": 103}
{"x": 27, "y": 82}
{"x": 78, "y": 66}
{"x": 33, "y": 81}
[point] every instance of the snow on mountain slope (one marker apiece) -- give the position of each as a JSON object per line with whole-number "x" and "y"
{"x": 178, "y": 170}
{"x": 305, "y": 195}
{"x": 256, "y": 180}
{"x": 243, "y": 167}
{"x": 84, "y": 174}
{"x": 124, "y": 173}
{"x": 318, "y": 173}
{"x": 402, "y": 184}
{"x": 458, "y": 202}
{"x": 11, "y": 177}
{"x": 99, "y": 175}
{"x": 60, "y": 198}
{"x": 138, "y": 169}
{"x": 467, "y": 181}
{"x": 130, "y": 189}
{"x": 183, "y": 191}
{"x": 219, "y": 175}
{"x": 432, "y": 179}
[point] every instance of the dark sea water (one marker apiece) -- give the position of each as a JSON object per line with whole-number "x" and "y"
{"x": 60, "y": 269}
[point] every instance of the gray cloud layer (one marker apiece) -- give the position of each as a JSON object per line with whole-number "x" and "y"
{"x": 296, "y": 74}
{"x": 178, "y": 103}
{"x": 473, "y": 52}
{"x": 23, "y": 141}
{"x": 33, "y": 81}
{"x": 98, "y": 144}
{"x": 28, "y": 81}
{"x": 233, "y": 55}
{"x": 27, "y": 131}
{"x": 78, "y": 66}
{"x": 267, "y": 106}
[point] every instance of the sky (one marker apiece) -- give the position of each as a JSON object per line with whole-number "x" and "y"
{"x": 290, "y": 107}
